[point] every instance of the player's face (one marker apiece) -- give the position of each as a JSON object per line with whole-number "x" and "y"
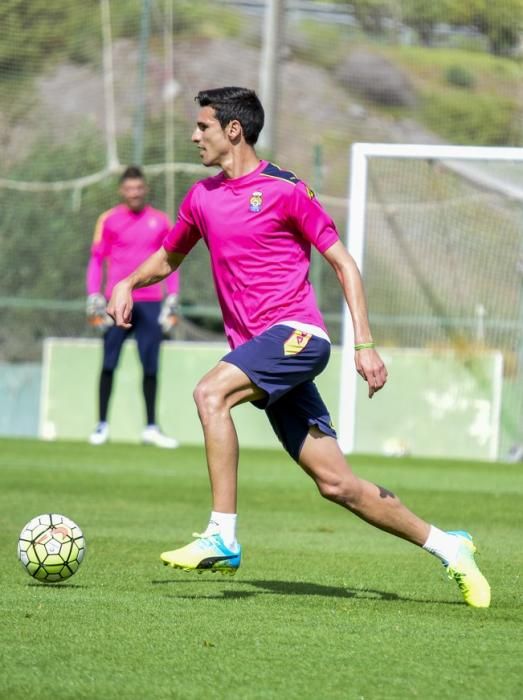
{"x": 133, "y": 192}
{"x": 212, "y": 141}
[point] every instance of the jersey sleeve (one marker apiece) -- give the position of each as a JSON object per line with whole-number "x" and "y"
{"x": 185, "y": 233}
{"x": 100, "y": 249}
{"x": 310, "y": 219}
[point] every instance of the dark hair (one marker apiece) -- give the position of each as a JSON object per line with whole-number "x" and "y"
{"x": 132, "y": 172}
{"x": 239, "y": 103}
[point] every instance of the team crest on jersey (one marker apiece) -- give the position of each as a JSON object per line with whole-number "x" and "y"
{"x": 310, "y": 192}
{"x": 256, "y": 202}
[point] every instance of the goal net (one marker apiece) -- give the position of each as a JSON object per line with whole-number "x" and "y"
{"x": 437, "y": 233}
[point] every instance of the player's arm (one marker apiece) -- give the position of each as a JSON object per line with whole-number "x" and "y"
{"x": 99, "y": 251}
{"x": 368, "y": 362}
{"x": 96, "y": 302}
{"x": 316, "y": 225}
{"x": 156, "y": 268}
{"x": 170, "y": 310}
{"x": 176, "y": 245}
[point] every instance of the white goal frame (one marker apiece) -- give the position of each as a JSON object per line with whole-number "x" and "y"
{"x": 355, "y": 237}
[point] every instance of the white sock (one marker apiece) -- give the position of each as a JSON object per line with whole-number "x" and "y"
{"x": 225, "y": 524}
{"x": 442, "y": 545}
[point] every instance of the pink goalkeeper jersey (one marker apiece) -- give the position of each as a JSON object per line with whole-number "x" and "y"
{"x": 259, "y": 229}
{"x": 123, "y": 239}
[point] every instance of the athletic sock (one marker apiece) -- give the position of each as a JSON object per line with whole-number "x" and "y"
{"x": 442, "y": 545}
{"x": 225, "y": 524}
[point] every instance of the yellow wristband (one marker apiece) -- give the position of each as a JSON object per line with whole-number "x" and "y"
{"x": 363, "y": 346}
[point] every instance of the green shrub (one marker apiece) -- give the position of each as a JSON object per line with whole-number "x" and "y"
{"x": 464, "y": 118}
{"x": 460, "y": 77}
{"x": 423, "y": 61}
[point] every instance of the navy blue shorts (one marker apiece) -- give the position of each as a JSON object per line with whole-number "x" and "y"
{"x": 147, "y": 332}
{"x": 284, "y": 362}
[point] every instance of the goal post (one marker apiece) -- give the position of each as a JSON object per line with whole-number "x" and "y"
{"x": 438, "y": 228}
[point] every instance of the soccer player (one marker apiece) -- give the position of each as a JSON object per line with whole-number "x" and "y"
{"x": 259, "y": 223}
{"x": 124, "y": 237}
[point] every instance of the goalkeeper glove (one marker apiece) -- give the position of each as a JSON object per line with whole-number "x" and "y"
{"x": 95, "y": 310}
{"x": 170, "y": 313}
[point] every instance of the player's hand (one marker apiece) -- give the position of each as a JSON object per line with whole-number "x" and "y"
{"x": 96, "y": 313}
{"x": 169, "y": 314}
{"x": 120, "y": 306}
{"x": 370, "y": 366}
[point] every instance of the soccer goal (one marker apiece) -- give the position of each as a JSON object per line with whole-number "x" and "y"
{"x": 437, "y": 233}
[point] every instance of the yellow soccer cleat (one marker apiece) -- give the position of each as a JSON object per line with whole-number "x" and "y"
{"x": 464, "y": 570}
{"x": 206, "y": 553}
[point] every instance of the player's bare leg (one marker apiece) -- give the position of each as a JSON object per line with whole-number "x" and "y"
{"x": 323, "y": 460}
{"x": 216, "y": 549}
{"x": 222, "y": 388}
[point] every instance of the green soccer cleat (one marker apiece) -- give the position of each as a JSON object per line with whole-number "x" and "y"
{"x": 465, "y": 572}
{"x": 206, "y": 553}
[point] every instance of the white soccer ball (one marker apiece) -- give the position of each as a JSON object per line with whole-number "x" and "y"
{"x": 51, "y": 548}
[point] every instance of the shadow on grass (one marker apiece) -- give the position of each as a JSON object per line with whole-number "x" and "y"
{"x": 301, "y": 588}
{"x": 59, "y": 585}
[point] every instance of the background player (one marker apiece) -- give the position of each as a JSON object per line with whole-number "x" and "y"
{"x": 124, "y": 237}
{"x": 258, "y": 223}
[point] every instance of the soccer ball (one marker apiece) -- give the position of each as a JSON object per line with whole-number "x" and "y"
{"x": 51, "y": 548}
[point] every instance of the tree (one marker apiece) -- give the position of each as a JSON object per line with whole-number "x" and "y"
{"x": 501, "y": 22}
{"x": 32, "y": 29}
{"x": 372, "y": 14}
{"x": 423, "y": 16}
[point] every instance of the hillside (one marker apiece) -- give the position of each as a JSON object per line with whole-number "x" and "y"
{"x": 53, "y": 129}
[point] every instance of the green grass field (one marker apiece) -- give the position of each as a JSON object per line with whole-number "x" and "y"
{"x": 323, "y": 606}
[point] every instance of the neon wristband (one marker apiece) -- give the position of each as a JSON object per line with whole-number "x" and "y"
{"x": 364, "y": 346}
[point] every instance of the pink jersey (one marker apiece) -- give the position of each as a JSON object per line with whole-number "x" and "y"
{"x": 123, "y": 239}
{"x": 259, "y": 229}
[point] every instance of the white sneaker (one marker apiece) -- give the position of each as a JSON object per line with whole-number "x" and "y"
{"x": 100, "y": 434}
{"x": 152, "y": 435}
